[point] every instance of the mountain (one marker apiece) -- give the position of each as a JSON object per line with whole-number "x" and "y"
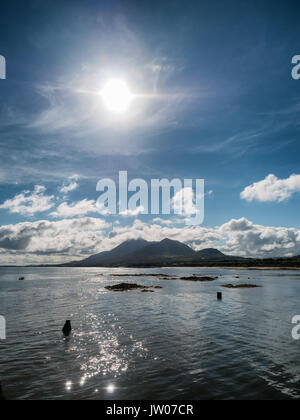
{"x": 134, "y": 253}
{"x": 165, "y": 248}
{"x": 210, "y": 254}
{"x": 121, "y": 251}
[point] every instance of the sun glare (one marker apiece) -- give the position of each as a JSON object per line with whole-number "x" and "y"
{"x": 110, "y": 388}
{"x": 116, "y": 96}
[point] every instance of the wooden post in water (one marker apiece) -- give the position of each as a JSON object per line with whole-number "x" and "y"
{"x": 219, "y": 295}
{"x": 2, "y": 397}
{"x": 67, "y": 328}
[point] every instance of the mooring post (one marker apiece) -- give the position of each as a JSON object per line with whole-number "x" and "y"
{"x": 219, "y": 295}
{"x": 67, "y": 328}
{"x": 2, "y": 398}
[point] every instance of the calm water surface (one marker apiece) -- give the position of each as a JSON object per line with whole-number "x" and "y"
{"x": 176, "y": 343}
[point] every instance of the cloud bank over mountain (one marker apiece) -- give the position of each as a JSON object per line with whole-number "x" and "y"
{"x": 60, "y": 241}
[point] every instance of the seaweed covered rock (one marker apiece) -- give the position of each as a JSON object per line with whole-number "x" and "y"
{"x": 125, "y": 287}
{"x": 196, "y": 278}
{"x": 240, "y": 286}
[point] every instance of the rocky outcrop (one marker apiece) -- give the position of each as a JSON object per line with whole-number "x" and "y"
{"x": 240, "y": 286}
{"x": 137, "y": 275}
{"x": 196, "y": 278}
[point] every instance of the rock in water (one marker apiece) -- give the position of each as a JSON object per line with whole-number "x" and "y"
{"x": 240, "y": 286}
{"x": 67, "y": 328}
{"x": 197, "y": 278}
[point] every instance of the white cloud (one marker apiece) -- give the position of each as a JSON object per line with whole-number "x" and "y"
{"x": 71, "y": 186}
{"x": 81, "y": 208}
{"x": 237, "y": 225}
{"x": 45, "y": 241}
{"x": 76, "y": 177}
{"x": 64, "y": 240}
{"x": 272, "y": 189}
{"x": 68, "y": 188}
{"x": 183, "y": 202}
{"x": 238, "y": 237}
{"x": 28, "y": 203}
{"x": 247, "y": 239}
{"x": 132, "y": 213}
{"x": 167, "y": 222}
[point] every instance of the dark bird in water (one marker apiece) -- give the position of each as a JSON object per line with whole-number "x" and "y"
{"x": 22, "y": 278}
{"x": 67, "y": 328}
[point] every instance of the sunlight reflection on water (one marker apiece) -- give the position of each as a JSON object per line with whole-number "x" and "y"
{"x": 69, "y": 385}
{"x": 178, "y": 342}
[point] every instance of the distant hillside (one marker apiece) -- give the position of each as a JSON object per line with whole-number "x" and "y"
{"x": 166, "y": 248}
{"x": 141, "y": 253}
{"x": 135, "y": 253}
{"x": 210, "y": 253}
{"x": 121, "y": 251}
{"x": 169, "y": 253}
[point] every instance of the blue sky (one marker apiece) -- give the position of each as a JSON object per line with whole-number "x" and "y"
{"x": 217, "y": 101}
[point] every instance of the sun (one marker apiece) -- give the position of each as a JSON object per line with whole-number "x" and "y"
{"x": 116, "y": 96}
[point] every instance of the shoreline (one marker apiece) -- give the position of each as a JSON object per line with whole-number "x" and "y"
{"x": 219, "y": 267}
{"x": 256, "y": 268}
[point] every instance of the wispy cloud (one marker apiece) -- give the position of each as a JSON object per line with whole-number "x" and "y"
{"x": 167, "y": 222}
{"x": 68, "y": 188}
{"x": 29, "y": 203}
{"x": 72, "y": 185}
{"x": 238, "y": 142}
{"x": 132, "y": 213}
{"x": 81, "y": 208}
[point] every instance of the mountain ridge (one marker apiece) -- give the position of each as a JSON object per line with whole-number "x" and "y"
{"x": 137, "y": 252}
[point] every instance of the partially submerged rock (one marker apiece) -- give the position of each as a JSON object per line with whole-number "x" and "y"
{"x": 196, "y": 278}
{"x": 124, "y": 287}
{"x": 137, "y": 275}
{"x": 240, "y": 286}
